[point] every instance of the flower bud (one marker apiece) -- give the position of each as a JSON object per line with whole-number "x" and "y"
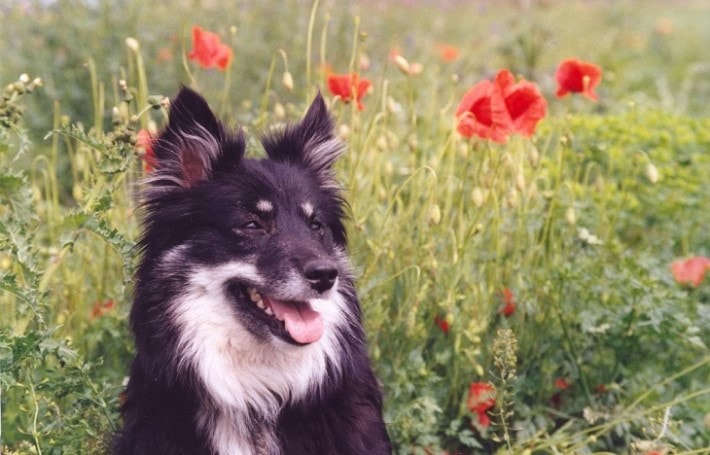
{"x": 24, "y": 78}
{"x": 393, "y": 106}
{"x": 652, "y": 173}
{"x": 571, "y": 216}
{"x": 116, "y": 115}
{"x": 478, "y": 197}
{"x": 434, "y": 215}
{"x": 133, "y": 44}
{"x": 77, "y": 192}
{"x": 520, "y": 182}
{"x": 512, "y": 199}
{"x": 287, "y": 80}
{"x": 280, "y": 111}
{"x": 402, "y": 64}
{"x": 415, "y": 68}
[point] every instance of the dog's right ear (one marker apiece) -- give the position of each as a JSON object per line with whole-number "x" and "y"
{"x": 194, "y": 142}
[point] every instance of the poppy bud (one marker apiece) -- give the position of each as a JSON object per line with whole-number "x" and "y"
{"x": 116, "y": 116}
{"x": 287, "y": 80}
{"x": 393, "y": 106}
{"x": 415, "y": 68}
{"x": 279, "y": 111}
{"x": 133, "y": 44}
{"x": 511, "y": 200}
{"x": 478, "y": 197}
{"x": 652, "y": 173}
{"x": 435, "y": 215}
{"x": 402, "y": 64}
{"x": 520, "y": 182}
{"x": 571, "y": 216}
{"x": 77, "y": 192}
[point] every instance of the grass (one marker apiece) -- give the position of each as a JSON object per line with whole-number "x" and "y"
{"x": 604, "y": 353}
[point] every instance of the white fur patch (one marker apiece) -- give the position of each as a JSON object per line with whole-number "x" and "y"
{"x": 240, "y": 371}
{"x": 307, "y": 209}
{"x": 320, "y": 155}
{"x": 264, "y": 206}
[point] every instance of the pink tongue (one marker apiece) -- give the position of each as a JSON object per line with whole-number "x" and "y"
{"x": 302, "y": 323}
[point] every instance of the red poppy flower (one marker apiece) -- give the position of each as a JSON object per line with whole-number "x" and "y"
{"x": 480, "y": 400}
{"x": 448, "y": 52}
{"x": 349, "y": 87}
{"x": 561, "y": 383}
{"x": 208, "y": 50}
{"x": 494, "y": 110}
{"x": 576, "y": 76}
{"x": 99, "y": 309}
{"x": 690, "y": 272}
{"x": 509, "y": 304}
{"x": 523, "y": 102}
{"x": 144, "y": 144}
{"x": 482, "y": 114}
{"x": 442, "y": 323}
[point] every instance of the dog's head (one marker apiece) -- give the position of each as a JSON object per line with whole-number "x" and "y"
{"x": 262, "y": 238}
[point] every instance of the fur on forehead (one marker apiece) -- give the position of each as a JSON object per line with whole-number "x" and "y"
{"x": 311, "y": 142}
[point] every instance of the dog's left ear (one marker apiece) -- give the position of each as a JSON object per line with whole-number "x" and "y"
{"x": 311, "y": 142}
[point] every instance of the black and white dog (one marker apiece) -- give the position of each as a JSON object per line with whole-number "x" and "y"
{"x": 247, "y": 324}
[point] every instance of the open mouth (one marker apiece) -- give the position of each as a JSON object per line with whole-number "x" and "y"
{"x": 295, "y": 322}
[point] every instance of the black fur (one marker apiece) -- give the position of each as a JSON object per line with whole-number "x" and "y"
{"x": 202, "y": 212}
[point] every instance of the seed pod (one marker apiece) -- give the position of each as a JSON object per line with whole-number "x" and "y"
{"x": 652, "y": 173}
{"x": 133, "y": 44}
{"x": 434, "y": 215}
{"x": 402, "y": 64}
{"x": 571, "y": 216}
{"x": 287, "y": 80}
{"x": 279, "y": 111}
{"x": 478, "y": 197}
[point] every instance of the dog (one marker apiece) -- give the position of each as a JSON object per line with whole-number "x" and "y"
{"x": 246, "y": 320}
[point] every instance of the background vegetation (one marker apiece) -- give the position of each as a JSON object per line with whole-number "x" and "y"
{"x": 572, "y": 231}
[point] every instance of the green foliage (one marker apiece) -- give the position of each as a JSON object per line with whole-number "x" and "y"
{"x": 576, "y": 227}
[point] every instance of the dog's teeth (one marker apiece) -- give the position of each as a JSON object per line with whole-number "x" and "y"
{"x": 260, "y": 303}
{"x": 269, "y": 311}
{"x": 253, "y": 295}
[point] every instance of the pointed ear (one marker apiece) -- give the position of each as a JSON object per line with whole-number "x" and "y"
{"x": 194, "y": 142}
{"x": 311, "y": 142}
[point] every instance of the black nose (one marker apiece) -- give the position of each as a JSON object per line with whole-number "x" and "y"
{"x": 321, "y": 274}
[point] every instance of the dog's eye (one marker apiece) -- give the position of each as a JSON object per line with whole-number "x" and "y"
{"x": 250, "y": 226}
{"x": 316, "y": 225}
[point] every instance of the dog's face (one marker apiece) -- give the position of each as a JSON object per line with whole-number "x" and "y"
{"x": 245, "y": 259}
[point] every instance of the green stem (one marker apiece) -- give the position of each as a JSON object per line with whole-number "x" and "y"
{"x": 309, "y": 46}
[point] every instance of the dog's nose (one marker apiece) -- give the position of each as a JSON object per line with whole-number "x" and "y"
{"x": 321, "y": 275}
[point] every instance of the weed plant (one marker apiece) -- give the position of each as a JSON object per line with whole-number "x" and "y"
{"x": 540, "y": 267}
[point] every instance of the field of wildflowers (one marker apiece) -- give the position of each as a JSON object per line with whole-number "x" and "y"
{"x": 529, "y": 185}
